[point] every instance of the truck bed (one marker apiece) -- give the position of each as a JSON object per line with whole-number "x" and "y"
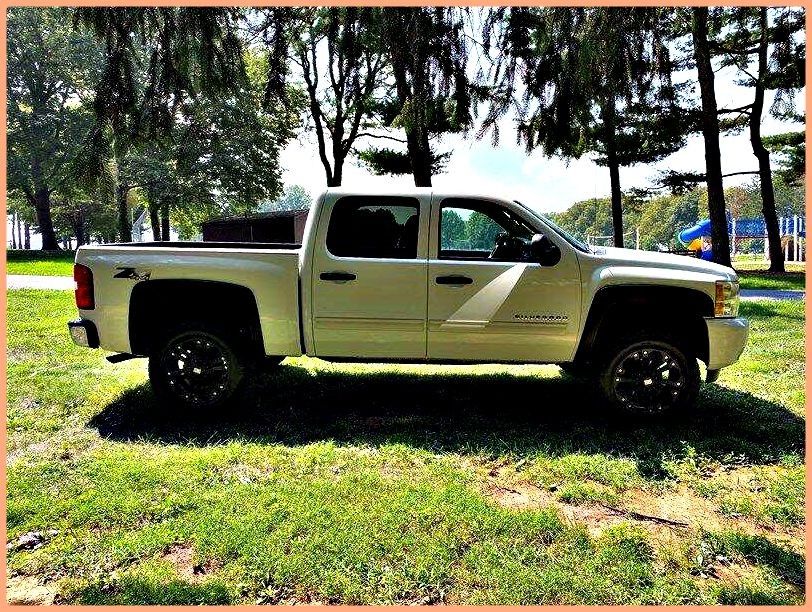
{"x": 269, "y": 270}
{"x": 189, "y": 244}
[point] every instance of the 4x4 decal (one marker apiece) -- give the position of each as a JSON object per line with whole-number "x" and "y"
{"x": 132, "y": 273}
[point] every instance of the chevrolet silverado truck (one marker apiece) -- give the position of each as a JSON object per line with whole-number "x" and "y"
{"x": 421, "y": 276}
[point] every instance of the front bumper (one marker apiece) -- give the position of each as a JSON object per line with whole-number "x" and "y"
{"x": 84, "y": 333}
{"x": 727, "y": 338}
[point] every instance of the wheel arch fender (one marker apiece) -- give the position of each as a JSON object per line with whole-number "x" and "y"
{"x": 157, "y": 306}
{"x": 620, "y": 307}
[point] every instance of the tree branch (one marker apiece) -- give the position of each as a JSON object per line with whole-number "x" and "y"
{"x": 382, "y": 136}
{"x": 730, "y": 50}
{"x": 742, "y": 109}
{"x": 740, "y": 173}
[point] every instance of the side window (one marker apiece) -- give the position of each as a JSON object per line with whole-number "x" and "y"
{"x": 463, "y": 229}
{"x": 374, "y": 227}
{"x": 474, "y": 229}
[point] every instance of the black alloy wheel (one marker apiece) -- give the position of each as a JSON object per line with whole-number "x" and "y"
{"x": 196, "y": 369}
{"x": 651, "y": 378}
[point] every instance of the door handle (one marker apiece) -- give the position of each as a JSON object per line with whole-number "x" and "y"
{"x": 337, "y": 277}
{"x": 454, "y": 279}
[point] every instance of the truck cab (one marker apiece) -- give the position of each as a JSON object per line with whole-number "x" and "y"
{"x": 420, "y": 276}
{"x": 401, "y": 278}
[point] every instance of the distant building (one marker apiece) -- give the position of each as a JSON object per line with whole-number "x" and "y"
{"x": 277, "y": 226}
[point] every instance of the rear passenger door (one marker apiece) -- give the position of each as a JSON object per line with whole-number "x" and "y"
{"x": 369, "y": 280}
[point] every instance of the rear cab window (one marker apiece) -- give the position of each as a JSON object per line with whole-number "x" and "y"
{"x": 374, "y": 227}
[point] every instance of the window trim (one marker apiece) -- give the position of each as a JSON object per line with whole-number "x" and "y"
{"x": 373, "y": 200}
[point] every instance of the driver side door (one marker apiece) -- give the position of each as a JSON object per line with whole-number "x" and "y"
{"x": 481, "y": 309}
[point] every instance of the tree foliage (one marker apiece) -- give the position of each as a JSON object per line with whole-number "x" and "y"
{"x": 587, "y": 80}
{"x": 295, "y": 197}
{"x": 338, "y": 52}
{"x": 432, "y": 94}
{"x": 50, "y": 67}
{"x": 183, "y": 112}
{"x": 790, "y": 151}
{"x": 155, "y": 57}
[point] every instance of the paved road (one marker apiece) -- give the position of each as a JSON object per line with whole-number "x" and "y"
{"x": 66, "y": 283}
{"x": 30, "y": 281}
{"x": 773, "y": 294}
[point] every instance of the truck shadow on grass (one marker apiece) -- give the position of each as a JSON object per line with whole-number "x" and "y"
{"x": 492, "y": 414}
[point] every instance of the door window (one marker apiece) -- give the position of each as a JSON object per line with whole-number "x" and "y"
{"x": 374, "y": 227}
{"x": 471, "y": 229}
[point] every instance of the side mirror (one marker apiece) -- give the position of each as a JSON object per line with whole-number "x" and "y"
{"x": 544, "y": 251}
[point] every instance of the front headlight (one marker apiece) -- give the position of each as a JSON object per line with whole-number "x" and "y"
{"x": 727, "y": 299}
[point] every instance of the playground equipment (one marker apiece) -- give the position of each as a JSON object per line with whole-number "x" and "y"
{"x": 693, "y": 236}
{"x": 792, "y": 231}
{"x": 607, "y": 240}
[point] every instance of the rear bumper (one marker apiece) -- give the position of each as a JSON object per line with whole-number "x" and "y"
{"x": 84, "y": 333}
{"x": 726, "y": 341}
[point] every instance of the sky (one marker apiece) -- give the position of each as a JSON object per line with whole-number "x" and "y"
{"x": 545, "y": 184}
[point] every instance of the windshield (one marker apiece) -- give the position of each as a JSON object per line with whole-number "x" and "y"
{"x": 572, "y": 240}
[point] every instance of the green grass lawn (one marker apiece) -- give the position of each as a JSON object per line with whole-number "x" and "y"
{"x": 40, "y": 263}
{"x": 754, "y": 275}
{"x": 401, "y": 484}
{"x": 759, "y": 279}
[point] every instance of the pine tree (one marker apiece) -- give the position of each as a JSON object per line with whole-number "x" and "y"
{"x": 587, "y": 80}
{"x": 427, "y": 54}
{"x": 767, "y": 48}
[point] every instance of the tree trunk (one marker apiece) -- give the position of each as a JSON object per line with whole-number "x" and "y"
{"x": 420, "y": 158}
{"x": 617, "y": 203}
{"x": 42, "y": 206}
{"x": 763, "y": 155}
{"x": 417, "y": 142}
{"x": 14, "y": 225}
{"x": 41, "y": 199}
{"x": 155, "y": 222}
{"x": 338, "y": 172}
{"x": 338, "y": 147}
{"x": 27, "y": 228}
{"x": 614, "y": 172}
{"x": 710, "y": 132}
{"x": 79, "y": 232}
{"x": 124, "y": 223}
{"x": 20, "y": 232}
{"x": 165, "y": 223}
{"x": 417, "y": 139}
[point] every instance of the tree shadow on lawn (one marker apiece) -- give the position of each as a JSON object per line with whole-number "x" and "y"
{"x": 492, "y": 414}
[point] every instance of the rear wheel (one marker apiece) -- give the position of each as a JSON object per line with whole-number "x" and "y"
{"x": 650, "y": 377}
{"x": 196, "y": 369}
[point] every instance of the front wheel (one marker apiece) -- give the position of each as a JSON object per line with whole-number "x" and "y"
{"x": 650, "y": 378}
{"x": 195, "y": 370}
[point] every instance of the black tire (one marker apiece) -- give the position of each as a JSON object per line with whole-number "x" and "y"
{"x": 649, "y": 377}
{"x": 196, "y": 369}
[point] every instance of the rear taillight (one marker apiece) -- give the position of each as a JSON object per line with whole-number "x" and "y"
{"x": 84, "y": 287}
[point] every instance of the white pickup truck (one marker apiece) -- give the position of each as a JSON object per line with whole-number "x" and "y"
{"x": 421, "y": 276}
